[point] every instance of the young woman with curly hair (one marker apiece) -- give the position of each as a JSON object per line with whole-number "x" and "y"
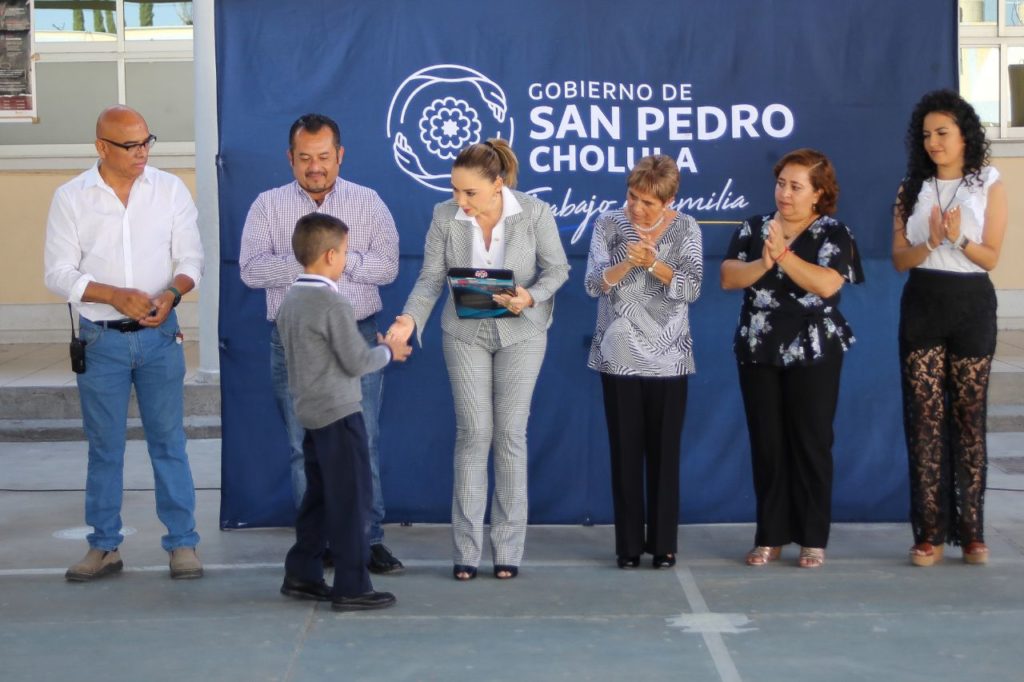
{"x": 949, "y": 221}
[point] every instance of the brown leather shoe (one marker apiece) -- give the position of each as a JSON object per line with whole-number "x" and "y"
{"x": 185, "y": 564}
{"x": 95, "y": 564}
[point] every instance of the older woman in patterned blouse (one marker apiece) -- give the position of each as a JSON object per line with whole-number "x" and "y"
{"x": 645, "y": 267}
{"x": 789, "y": 346}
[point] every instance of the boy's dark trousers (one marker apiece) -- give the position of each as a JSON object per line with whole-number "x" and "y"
{"x": 336, "y": 507}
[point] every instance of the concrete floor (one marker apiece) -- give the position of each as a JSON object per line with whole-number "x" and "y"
{"x": 570, "y": 615}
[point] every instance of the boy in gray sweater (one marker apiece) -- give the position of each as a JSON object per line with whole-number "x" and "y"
{"x": 326, "y": 355}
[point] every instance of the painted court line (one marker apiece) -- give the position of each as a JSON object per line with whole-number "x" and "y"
{"x": 720, "y": 655}
{"x": 14, "y": 572}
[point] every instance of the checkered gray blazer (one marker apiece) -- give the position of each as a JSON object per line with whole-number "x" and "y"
{"x": 533, "y": 251}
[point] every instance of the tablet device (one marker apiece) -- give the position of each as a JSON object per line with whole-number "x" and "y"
{"x": 472, "y": 290}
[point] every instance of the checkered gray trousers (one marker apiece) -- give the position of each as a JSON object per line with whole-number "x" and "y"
{"x": 492, "y": 388}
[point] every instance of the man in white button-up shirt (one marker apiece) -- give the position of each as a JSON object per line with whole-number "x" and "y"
{"x": 122, "y": 247}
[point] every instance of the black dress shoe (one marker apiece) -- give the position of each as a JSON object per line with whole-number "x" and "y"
{"x": 628, "y": 561}
{"x": 304, "y": 589}
{"x": 364, "y": 602}
{"x": 383, "y": 561}
{"x": 664, "y": 561}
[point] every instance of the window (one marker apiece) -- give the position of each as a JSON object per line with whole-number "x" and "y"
{"x": 991, "y": 60}
{"x": 103, "y": 24}
{"x": 94, "y": 53}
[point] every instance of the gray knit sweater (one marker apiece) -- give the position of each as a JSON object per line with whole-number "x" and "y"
{"x": 326, "y": 354}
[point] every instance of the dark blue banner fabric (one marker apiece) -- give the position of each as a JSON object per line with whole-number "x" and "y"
{"x": 582, "y": 88}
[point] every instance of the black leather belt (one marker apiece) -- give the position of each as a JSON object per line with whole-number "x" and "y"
{"x": 123, "y": 326}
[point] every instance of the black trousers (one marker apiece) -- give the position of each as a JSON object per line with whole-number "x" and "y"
{"x": 789, "y": 418}
{"x": 947, "y": 340}
{"x": 645, "y": 422}
{"x": 335, "y": 508}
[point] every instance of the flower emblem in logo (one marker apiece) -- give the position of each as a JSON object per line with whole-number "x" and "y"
{"x": 448, "y": 125}
{"x": 438, "y": 111}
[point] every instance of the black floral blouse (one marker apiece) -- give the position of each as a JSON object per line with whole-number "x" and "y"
{"x": 781, "y": 323}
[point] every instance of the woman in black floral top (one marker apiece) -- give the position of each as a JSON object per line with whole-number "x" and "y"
{"x": 789, "y": 347}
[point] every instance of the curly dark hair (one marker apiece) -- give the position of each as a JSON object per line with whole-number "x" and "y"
{"x": 920, "y": 167}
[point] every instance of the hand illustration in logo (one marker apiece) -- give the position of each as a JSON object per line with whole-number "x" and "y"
{"x": 436, "y": 112}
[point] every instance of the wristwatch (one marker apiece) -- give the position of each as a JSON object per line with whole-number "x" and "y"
{"x": 177, "y": 296}
{"x": 960, "y": 242}
{"x": 650, "y": 270}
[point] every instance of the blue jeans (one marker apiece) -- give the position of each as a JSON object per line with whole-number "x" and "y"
{"x": 152, "y": 361}
{"x": 373, "y": 389}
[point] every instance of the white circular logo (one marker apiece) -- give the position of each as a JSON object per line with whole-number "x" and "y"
{"x": 436, "y": 112}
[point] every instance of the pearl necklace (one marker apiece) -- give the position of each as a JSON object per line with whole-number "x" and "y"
{"x": 652, "y": 228}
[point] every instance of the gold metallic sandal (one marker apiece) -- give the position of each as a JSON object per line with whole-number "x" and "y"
{"x": 976, "y": 553}
{"x": 925, "y": 554}
{"x": 760, "y": 555}
{"x": 811, "y": 557}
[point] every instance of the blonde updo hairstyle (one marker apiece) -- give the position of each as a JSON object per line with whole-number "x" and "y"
{"x": 492, "y": 159}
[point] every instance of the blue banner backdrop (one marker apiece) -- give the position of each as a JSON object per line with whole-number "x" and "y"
{"x": 581, "y": 88}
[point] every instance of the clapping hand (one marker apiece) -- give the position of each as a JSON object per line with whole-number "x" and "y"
{"x": 936, "y": 228}
{"x": 515, "y": 302}
{"x": 400, "y": 350}
{"x": 774, "y": 244}
{"x": 641, "y": 254}
{"x": 951, "y": 224}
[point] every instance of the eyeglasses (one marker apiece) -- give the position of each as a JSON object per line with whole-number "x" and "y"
{"x": 132, "y": 146}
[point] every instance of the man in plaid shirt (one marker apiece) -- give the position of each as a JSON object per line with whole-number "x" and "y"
{"x": 267, "y": 262}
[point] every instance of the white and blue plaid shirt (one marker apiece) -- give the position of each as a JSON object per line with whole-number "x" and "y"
{"x": 266, "y": 260}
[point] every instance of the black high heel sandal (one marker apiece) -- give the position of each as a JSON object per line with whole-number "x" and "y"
{"x": 463, "y": 573}
{"x": 512, "y": 571}
{"x": 664, "y": 561}
{"x": 628, "y": 561}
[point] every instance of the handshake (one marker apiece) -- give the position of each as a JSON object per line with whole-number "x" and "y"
{"x": 397, "y": 338}
{"x": 398, "y": 334}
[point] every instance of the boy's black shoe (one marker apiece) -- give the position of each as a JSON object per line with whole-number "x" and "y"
{"x": 364, "y": 602}
{"x": 303, "y": 589}
{"x": 383, "y": 561}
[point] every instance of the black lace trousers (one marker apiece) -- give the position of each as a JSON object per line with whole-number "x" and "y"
{"x": 947, "y": 340}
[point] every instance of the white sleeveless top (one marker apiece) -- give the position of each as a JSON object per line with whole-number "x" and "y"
{"x": 972, "y": 198}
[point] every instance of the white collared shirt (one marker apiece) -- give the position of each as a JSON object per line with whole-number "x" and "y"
{"x": 92, "y": 237}
{"x": 307, "y": 279}
{"x": 493, "y": 257}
